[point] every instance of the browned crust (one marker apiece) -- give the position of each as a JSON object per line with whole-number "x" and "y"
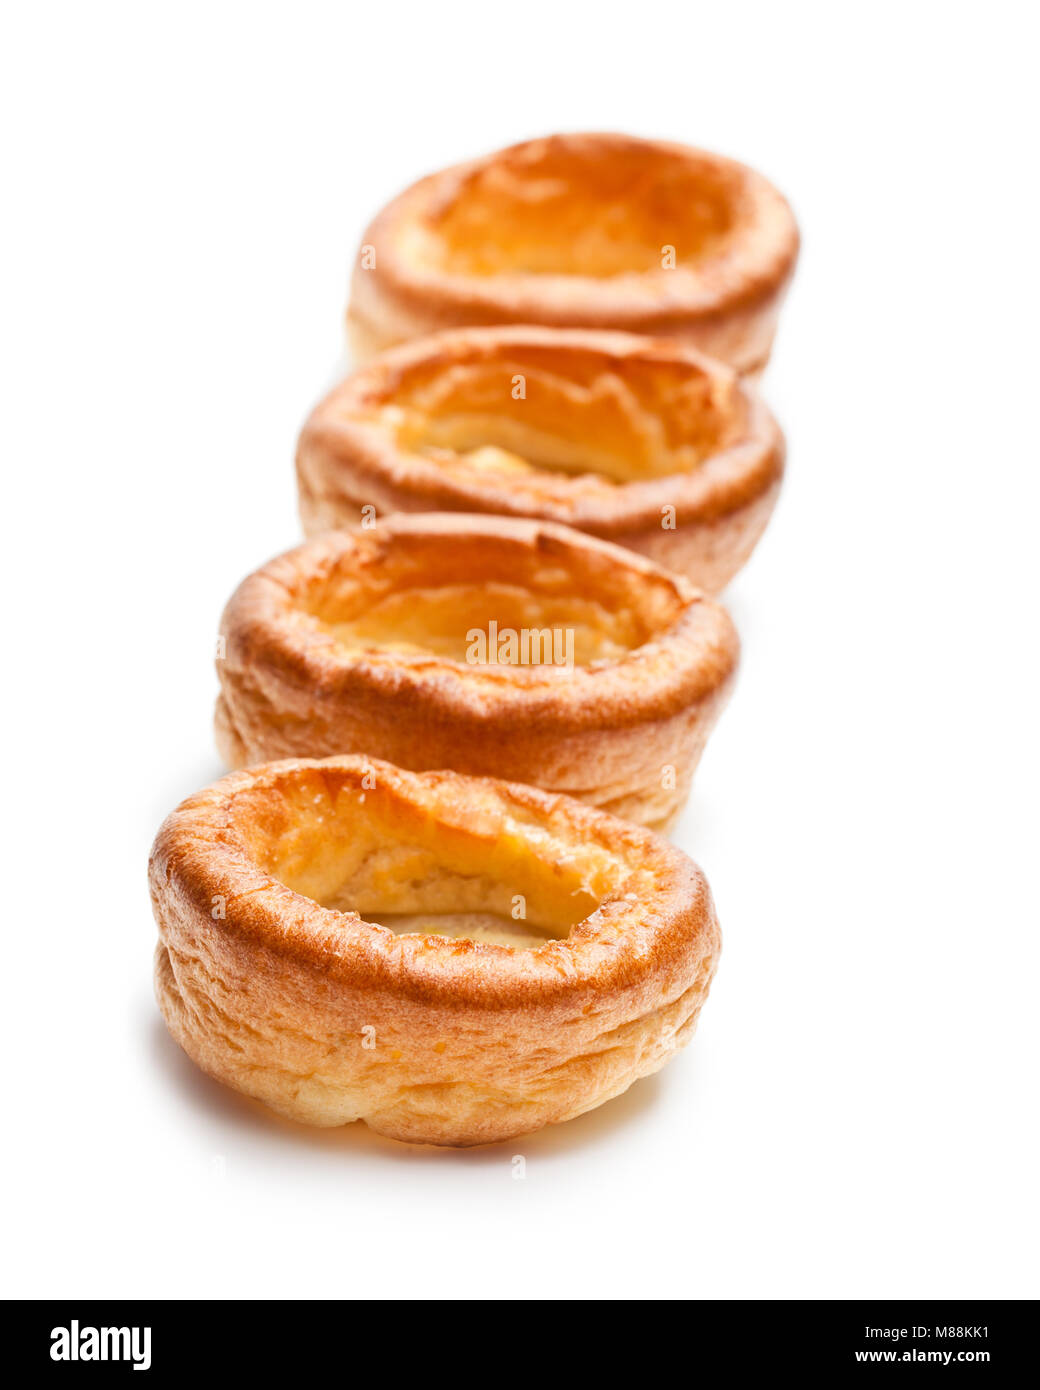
{"x": 728, "y": 306}
{"x": 346, "y": 462}
{"x": 476, "y": 1042}
{"x": 624, "y": 734}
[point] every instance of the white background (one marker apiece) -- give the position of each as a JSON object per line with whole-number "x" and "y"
{"x": 184, "y": 187}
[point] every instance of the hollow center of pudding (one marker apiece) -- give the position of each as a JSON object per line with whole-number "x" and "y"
{"x": 428, "y": 863}
{"x": 496, "y": 624}
{"x": 488, "y": 600}
{"x": 512, "y": 412}
{"x": 581, "y": 209}
{"x": 470, "y": 926}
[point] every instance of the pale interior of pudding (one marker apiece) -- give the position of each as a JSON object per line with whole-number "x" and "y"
{"x": 590, "y": 212}
{"x": 443, "y": 866}
{"x": 473, "y": 926}
{"x": 434, "y": 595}
{"x": 526, "y": 411}
{"x": 440, "y": 620}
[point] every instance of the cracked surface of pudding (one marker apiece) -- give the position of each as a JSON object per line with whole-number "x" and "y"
{"x": 584, "y": 230}
{"x": 492, "y": 646}
{"x": 642, "y": 442}
{"x": 360, "y": 966}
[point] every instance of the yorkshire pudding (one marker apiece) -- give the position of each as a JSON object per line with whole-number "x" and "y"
{"x": 640, "y": 441}
{"x": 492, "y": 646}
{"x": 589, "y": 231}
{"x": 451, "y": 960}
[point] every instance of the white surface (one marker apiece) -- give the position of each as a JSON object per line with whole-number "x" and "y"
{"x": 857, "y": 1115}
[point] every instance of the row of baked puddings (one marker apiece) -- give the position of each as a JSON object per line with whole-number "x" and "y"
{"x": 518, "y": 517}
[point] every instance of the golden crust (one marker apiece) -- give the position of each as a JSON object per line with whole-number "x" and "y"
{"x": 273, "y": 983}
{"x": 640, "y": 441}
{"x": 574, "y": 231}
{"x": 362, "y": 642}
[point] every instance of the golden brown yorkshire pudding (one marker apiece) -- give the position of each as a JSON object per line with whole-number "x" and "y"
{"x": 639, "y": 440}
{"x": 589, "y": 231}
{"x": 449, "y": 959}
{"x": 491, "y": 646}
